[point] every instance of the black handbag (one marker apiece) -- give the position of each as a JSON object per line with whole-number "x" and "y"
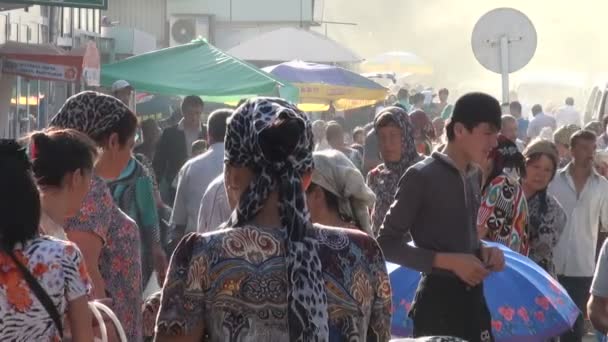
{"x": 40, "y": 293}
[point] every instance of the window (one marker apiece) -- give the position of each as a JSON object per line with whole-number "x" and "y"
{"x": 34, "y": 34}
{"x": 44, "y": 34}
{"x": 66, "y": 28}
{"x": 83, "y": 18}
{"x": 13, "y": 32}
{"x": 3, "y": 29}
{"x": 76, "y": 18}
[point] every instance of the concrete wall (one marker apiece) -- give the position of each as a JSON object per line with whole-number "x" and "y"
{"x": 145, "y": 15}
{"x": 246, "y": 10}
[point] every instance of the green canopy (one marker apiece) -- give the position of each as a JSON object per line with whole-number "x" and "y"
{"x": 198, "y": 68}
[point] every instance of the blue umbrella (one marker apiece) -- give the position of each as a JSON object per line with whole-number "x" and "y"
{"x": 525, "y": 302}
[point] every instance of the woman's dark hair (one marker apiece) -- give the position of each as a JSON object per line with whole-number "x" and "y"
{"x": 506, "y": 155}
{"x": 19, "y": 198}
{"x": 536, "y": 156}
{"x": 58, "y": 152}
{"x": 125, "y": 128}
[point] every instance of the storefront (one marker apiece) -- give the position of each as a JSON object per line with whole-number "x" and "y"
{"x": 24, "y": 63}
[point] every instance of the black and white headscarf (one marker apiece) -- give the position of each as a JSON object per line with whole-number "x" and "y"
{"x": 307, "y": 298}
{"x": 91, "y": 113}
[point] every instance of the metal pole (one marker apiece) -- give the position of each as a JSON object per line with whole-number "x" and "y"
{"x": 504, "y": 59}
{"x": 17, "y": 116}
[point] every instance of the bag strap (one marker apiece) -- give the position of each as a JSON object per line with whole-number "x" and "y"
{"x": 40, "y": 293}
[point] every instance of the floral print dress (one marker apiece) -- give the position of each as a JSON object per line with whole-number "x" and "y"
{"x": 60, "y": 270}
{"x": 234, "y": 283}
{"x": 119, "y": 262}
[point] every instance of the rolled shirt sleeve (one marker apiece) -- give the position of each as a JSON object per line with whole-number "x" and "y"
{"x": 599, "y": 286}
{"x": 179, "y": 216}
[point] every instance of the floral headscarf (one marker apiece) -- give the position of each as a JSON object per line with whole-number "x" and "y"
{"x": 384, "y": 179}
{"x": 278, "y": 169}
{"x": 91, "y": 113}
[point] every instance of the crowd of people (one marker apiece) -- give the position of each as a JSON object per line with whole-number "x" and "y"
{"x": 279, "y": 227}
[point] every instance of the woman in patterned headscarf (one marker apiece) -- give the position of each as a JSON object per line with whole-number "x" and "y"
{"x": 109, "y": 239}
{"x": 270, "y": 274}
{"x": 503, "y": 215}
{"x": 398, "y": 150}
{"x": 547, "y": 218}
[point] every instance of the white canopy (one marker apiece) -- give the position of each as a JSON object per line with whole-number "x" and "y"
{"x": 290, "y": 43}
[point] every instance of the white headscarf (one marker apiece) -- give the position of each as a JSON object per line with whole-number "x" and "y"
{"x": 335, "y": 173}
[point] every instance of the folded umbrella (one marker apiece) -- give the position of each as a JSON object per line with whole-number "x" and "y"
{"x": 525, "y": 302}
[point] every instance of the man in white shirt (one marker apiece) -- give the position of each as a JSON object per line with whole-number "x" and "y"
{"x": 567, "y": 115}
{"x": 195, "y": 176}
{"x": 583, "y": 194}
{"x": 214, "y": 209}
{"x": 598, "y": 303}
{"x": 540, "y": 121}
{"x": 509, "y": 129}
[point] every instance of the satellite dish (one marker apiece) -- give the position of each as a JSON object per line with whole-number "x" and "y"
{"x": 504, "y": 41}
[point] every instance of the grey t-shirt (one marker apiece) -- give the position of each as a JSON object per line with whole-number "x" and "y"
{"x": 599, "y": 286}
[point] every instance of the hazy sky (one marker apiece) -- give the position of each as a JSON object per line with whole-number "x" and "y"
{"x": 570, "y": 33}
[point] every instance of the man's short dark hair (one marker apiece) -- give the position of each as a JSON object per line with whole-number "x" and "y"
{"x": 443, "y": 91}
{"x": 583, "y": 134}
{"x": 570, "y": 101}
{"x": 473, "y": 109}
{"x": 515, "y": 108}
{"x": 506, "y": 118}
{"x": 537, "y": 109}
{"x": 333, "y": 130}
{"x": 417, "y": 98}
{"x": 191, "y": 101}
{"x": 403, "y": 93}
{"x": 358, "y": 130}
{"x": 216, "y": 124}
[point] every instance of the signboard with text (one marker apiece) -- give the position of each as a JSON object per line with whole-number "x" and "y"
{"x": 97, "y": 4}
{"x": 38, "y": 70}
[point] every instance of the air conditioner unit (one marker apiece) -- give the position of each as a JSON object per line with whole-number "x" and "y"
{"x": 184, "y": 28}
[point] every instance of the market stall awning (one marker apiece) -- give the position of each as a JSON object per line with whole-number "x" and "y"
{"x": 197, "y": 68}
{"x": 290, "y": 43}
{"x": 48, "y": 62}
{"x": 322, "y": 84}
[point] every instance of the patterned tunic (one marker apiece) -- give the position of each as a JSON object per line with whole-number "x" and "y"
{"x": 547, "y": 222}
{"x": 59, "y": 268}
{"x": 119, "y": 262}
{"x": 504, "y": 213}
{"x": 234, "y": 283}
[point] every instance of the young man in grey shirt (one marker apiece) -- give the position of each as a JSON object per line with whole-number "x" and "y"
{"x": 437, "y": 203}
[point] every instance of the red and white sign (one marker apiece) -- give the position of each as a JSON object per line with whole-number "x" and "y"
{"x": 39, "y": 70}
{"x": 45, "y": 62}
